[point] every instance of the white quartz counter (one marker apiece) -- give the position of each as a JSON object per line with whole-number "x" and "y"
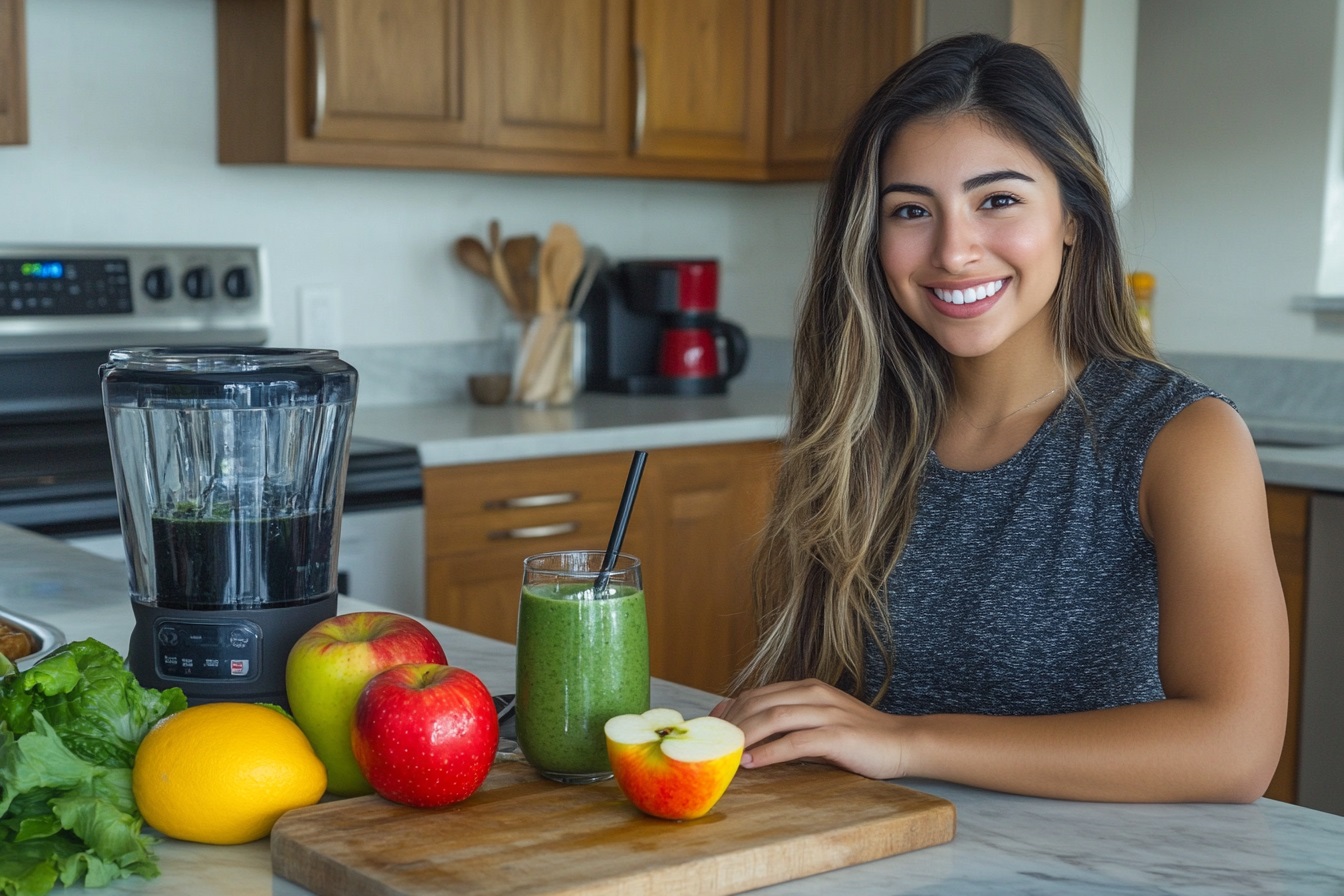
{"x": 463, "y": 433}
{"x": 1004, "y": 844}
{"x": 1314, "y": 468}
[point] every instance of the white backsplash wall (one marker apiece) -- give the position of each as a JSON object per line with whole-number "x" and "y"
{"x": 1233, "y": 163}
{"x": 122, "y": 149}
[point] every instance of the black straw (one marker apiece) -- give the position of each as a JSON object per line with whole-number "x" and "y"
{"x": 622, "y": 520}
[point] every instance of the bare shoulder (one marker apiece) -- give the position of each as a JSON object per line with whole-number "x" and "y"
{"x": 1202, "y": 461}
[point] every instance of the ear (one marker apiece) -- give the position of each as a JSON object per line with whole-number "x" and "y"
{"x": 1070, "y": 231}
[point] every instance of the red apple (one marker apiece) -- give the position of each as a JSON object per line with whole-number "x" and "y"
{"x": 672, "y": 768}
{"x": 328, "y": 667}
{"x": 425, "y": 734}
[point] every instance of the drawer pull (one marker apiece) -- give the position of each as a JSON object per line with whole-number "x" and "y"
{"x": 534, "y": 531}
{"x": 532, "y": 501}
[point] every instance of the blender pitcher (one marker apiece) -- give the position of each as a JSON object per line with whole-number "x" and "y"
{"x": 230, "y": 471}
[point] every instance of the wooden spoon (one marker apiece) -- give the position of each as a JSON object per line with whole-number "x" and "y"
{"x": 473, "y": 255}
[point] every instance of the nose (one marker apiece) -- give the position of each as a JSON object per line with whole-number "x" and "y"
{"x": 956, "y": 243}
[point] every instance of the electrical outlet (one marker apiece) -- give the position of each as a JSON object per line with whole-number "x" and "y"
{"x": 320, "y": 317}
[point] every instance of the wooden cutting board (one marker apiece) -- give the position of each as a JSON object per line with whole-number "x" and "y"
{"x": 521, "y": 834}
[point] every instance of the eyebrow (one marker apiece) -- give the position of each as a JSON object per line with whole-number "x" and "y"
{"x": 974, "y": 183}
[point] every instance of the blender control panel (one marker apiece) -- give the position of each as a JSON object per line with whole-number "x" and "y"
{"x": 229, "y": 650}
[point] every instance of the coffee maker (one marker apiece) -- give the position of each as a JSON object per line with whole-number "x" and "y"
{"x": 651, "y": 327}
{"x": 230, "y": 471}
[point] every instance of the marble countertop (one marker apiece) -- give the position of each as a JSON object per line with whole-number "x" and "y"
{"x": 454, "y": 433}
{"x": 1004, "y": 844}
{"x": 463, "y": 433}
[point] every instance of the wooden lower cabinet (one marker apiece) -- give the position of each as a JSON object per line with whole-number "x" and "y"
{"x": 694, "y": 525}
{"x": 13, "y": 74}
{"x": 1289, "y": 520}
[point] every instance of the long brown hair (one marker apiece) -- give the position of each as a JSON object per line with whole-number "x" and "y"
{"x": 871, "y": 388}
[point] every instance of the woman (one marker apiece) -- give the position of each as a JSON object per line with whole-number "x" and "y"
{"x": 1008, "y": 547}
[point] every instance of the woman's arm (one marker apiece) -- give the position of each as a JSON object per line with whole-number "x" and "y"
{"x": 1222, "y": 648}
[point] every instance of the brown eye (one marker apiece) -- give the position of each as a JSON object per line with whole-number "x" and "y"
{"x": 908, "y": 211}
{"x": 1001, "y": 200}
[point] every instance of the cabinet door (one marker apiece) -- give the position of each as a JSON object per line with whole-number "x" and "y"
{"x": 13, "y": 74}
{"x": 711, "y": 504}
{"x": 555, "y": 75}
{"x": 1289, "y": 512}
{"x": 701, "y": 79}
{"x": 828, "y": 57}
{"x": 395, "y": 70}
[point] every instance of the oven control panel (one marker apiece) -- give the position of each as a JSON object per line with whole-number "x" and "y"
{"x": 73, "y": 297}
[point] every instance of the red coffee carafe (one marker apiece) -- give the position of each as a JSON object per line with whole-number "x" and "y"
{"x": 653, "y": 328}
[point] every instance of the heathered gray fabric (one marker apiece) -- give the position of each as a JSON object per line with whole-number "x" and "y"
{"x": 1030, "y": 588}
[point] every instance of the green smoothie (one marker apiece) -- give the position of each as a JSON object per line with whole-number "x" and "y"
{"x": 580, "y": 662}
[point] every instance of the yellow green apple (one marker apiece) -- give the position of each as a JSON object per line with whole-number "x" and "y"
{"x": 669, "y": 767}
{"x": 327, "y": 668}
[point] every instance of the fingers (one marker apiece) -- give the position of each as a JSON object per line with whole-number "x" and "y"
{"x": 815, "y": 743}
{"x": 796, "y": 720}
{"x": 767, "y": 713}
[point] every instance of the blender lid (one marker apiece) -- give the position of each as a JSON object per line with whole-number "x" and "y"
{"x": 237, "y": 376}
{"x": 224, "y": 358}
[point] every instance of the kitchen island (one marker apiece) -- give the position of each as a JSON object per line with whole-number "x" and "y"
{"x": 1004, "y": 844}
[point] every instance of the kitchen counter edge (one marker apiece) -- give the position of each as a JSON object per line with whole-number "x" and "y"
{"x": 462, "y": 433}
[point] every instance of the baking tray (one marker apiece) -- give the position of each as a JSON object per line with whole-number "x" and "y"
{"x": 48, "y": 637}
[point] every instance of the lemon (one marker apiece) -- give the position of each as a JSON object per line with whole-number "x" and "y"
{"x": 224, "y": 772}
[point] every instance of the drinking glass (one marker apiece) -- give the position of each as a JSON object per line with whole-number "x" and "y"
{"x": 583, "y": 657}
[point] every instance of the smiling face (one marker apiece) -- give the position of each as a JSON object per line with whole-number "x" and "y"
{"x": 972, "y": 235}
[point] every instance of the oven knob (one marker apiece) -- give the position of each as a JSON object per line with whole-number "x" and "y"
{"x": 198, "y": 283}
{"x": 238, "y": 283}
{"x": 158, "y": 283}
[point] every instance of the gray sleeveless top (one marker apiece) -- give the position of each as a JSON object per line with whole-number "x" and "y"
{"x": 1030, "y": 588}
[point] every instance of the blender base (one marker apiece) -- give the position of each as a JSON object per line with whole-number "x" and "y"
{"x": 220, "y": 655}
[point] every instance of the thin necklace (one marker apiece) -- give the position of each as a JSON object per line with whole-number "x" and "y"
{"x": 994, "y": 423}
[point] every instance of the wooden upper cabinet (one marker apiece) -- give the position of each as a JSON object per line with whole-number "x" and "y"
{"x": 701, "y": 79}
{"x": 555, "y": 75}
{"x": 826, "y": 59}
{"x": 13, "y": 74}
{"x": 748, "y": 90}
{"x": 394, "y": 70}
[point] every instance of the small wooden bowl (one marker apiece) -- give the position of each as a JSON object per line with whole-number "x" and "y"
{"x": 489, "y": 388}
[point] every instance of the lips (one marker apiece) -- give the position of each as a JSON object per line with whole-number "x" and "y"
{"x": 967, "y": 301}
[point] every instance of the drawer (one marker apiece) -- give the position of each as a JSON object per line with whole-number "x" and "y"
{"x": 528, "y": 503}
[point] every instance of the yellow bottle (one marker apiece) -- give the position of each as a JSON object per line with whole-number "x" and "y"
{"x": 1142, "y": 284}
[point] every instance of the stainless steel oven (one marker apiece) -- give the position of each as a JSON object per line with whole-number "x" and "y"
{"x": 63, "y": 307}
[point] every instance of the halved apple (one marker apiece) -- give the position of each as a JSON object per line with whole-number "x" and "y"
{"x": 670, "y": 767}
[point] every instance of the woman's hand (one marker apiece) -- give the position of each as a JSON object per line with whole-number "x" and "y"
{"x": 810, "y": 720}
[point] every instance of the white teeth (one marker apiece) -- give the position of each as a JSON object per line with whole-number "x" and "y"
{"x": 967, "y": 296}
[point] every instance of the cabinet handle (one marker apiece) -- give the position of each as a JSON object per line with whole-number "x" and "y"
{"x": 641, "y": 98}
{"x": 532, "y": 501}
{"x": 319, "y": 76}
{"x": 534, "y": 531}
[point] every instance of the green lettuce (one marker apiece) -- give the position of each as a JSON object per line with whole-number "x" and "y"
{"x": 69, "y": 729}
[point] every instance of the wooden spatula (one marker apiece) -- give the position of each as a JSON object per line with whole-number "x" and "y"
{"x": 520, "y": 261}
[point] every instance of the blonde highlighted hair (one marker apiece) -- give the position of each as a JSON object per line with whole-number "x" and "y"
{"x": 871, "y": 389}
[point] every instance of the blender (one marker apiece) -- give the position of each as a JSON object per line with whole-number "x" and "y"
{"x": 230, "y": 473}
